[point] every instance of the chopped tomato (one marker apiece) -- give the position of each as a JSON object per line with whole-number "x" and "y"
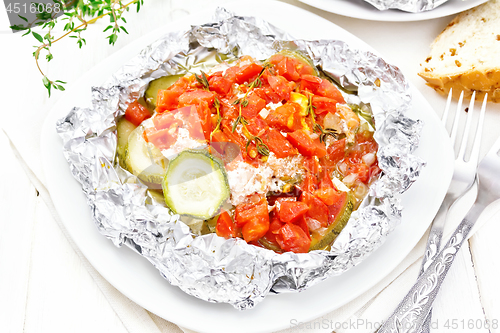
{"x": 220, "y": 85}
{"x": 136, "y": 113}
{"x": 225, "y": 226}
{"x": 359, "y": 169}
{"x": 167, "y": 100}
{"x": 302, "y": 223}
{"x": 248, "y": 73}
{"x": 310, "y": 183}
{"x": 326, "y": 194}
{"x": 268, "y": 94}
{"x": 247, "y": 212}
{"x": 282, "y": 117}
{"x": 328, "y": 89}
{"x": 252, "y": 109}
{"x": 303, "y": 142}
{"x": 317, "y": 209}
{"x": 162, "y": 138}
{"x": 312, "y": 165}
{"x": 336, "y": 151}
{"x": 195, "y": 97}
{"x": 324, "y": 105}
{"x": 310, "y": 83}
{"x": 278, "y": 144}
{"x": 287, "y": 68}
{"x": 281, "y": 86}
{"x": 336, "y": 208}
{"x": 292, "y": 238}
{"x": 290, "y": 211}
{"x": 319, "y": 148}
{"x": 326, "y": 181}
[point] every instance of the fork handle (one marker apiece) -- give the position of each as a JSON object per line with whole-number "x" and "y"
{"x": 410, "y": 314}
{"x": 436, "y": 233}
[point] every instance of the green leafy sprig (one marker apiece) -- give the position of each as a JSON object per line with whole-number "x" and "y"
{"x": 324, "y": 133}
{"x": 77, "y": 15}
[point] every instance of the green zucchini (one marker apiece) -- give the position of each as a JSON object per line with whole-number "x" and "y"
{"x": 144, "y": 160}
{"x": 123, "y": 130}
{"x": 334, "y": 229}
{"x": 158, "y": 84}
{"x": 195, "y": 184}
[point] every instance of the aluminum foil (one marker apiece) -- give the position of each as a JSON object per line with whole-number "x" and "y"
{"x": 210, "y": 267}
{"x": 412, "y": 6}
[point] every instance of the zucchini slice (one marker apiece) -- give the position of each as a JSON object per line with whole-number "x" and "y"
{"x": 158, "y": 84}
{"x": 123, "y": 130}
{"x": 334, "y": 229}
{"x": 145, "y": 160}
{"x": 195, "y": 184}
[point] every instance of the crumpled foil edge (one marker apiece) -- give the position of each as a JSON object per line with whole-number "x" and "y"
{"x": 210, "y": 267}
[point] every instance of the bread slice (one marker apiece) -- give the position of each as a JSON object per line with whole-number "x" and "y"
{"x": 466, "y": 55}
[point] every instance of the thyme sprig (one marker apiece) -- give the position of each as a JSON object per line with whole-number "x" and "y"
{"x": 219, "y": 117}
{"x": 324, "y": 132}
{"x": 203, "y": 80}
{"x": 262, "y": 148}
{"x": 78, "y": 14}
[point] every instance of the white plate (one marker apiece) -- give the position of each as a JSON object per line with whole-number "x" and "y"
{"x": 363, "y": 10}
{"x": 135, "y": 277}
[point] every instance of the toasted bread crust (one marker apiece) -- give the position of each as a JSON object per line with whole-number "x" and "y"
{"x": 473, "y": 80}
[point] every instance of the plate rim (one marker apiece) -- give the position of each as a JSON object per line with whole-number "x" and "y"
{"x": 47, "y": 139}
{"x": 450, "y": 7}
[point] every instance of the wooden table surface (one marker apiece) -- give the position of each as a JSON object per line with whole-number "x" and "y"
{"x": 44, "y": 287}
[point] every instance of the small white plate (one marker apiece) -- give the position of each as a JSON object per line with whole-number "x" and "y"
{"x": 135, "y": 277}
{"x": 363, "y": 10}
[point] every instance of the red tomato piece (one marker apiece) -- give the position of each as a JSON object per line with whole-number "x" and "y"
{"x": 167, "y": 100}
{"x": 248, "y": 73}
{"x": 220, "y": 85}
{"x": 287, "y": 68}
{"x": 310, "y": 183}
{"x": 267, "y": 94}
{"x": 255, "y": 229}
{"x": 195, "y": 97}
{"x": 324, "y": 105}
{"x": 255, "y": 104}
{"x": 327, "y": 194}
{"x": 278, "y": 144}
{"x": 281, "y": 86}
{"x": 201, "y": 119}
{"x": 225, "y": 226}
{"x": 336, "y": 151}
{"x": 247, "y": 212}
{"x": 136, "y": 113}
{"x": 282, "y": 117}
{"x": 336, "y": 208}
{"x": 162, "y": 139}
{"x": 166, "y": 120}
{"x": 310, "y": 83}
{"x": 319, "y": 148}
{"x": 302, "y": 223}
{"x": 292, "y": 238}
{"x": 290, "y": 211}
{"x": 312, "y": 165}
{"x": 326, "y": 181}
{"x": 328, "y": 89}
{"x": 361, "y": 170}
{"x": 317, "y": 209}
{"x": 303, "y": 142}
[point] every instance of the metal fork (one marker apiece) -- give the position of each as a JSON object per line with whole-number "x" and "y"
{"x": 463, "y": 178}
{"x": 411, "y": 312}
{"x": 463, "y": 174}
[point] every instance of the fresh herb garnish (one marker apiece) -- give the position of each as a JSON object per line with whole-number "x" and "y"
{"x": 203, "y": 80}
{"x": 78, "y": 14}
